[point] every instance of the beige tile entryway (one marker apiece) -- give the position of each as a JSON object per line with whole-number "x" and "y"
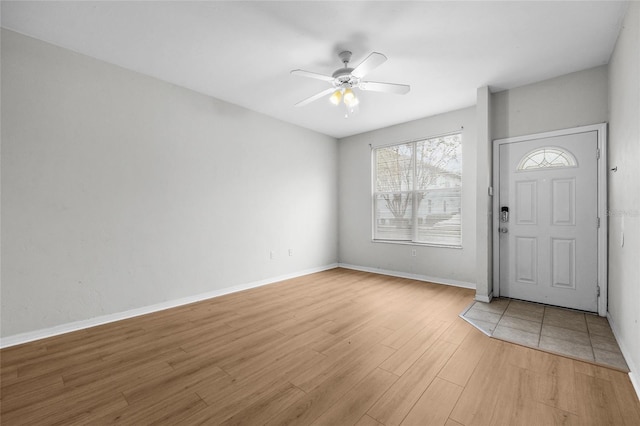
{"x": 561, "y": 331}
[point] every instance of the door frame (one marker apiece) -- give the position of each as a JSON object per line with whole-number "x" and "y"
{"x": 601, "y": 130}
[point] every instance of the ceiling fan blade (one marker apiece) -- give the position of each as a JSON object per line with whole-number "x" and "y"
{"x": 374, "y": 86}
{"x": 370, "y": 63}
{"x": 314, "y": 97}
{"x": 303, "y": 73}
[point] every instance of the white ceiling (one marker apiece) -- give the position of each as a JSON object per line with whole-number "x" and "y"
{"x": 242, "y": 52}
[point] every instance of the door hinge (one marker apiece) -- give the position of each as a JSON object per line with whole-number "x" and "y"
{"x": 597, "y": 153}
{"x": 598, "y": 222}
{"x": 491, "y": 191}
{"x": 598, "y": 289}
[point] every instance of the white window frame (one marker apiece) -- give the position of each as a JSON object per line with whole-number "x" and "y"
{"x": 413, "y": 192}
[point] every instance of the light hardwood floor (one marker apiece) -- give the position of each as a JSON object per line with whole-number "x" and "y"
{"x": 336, "y": 348}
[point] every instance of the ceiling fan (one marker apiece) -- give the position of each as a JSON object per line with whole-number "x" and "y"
{"x": 344, "y": 80}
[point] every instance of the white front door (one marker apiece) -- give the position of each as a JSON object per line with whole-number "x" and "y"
{"x": 548, "y": 220}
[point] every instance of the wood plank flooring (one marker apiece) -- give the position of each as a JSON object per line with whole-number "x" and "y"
{"x": 339, "y": 347}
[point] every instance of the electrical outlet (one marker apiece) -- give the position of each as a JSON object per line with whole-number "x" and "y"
{"x": 272, "y": 254}
{"x": 413, "y": 252}
{"x": 290, "y": 252}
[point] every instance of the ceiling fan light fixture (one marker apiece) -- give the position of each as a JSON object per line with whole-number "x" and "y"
{"x": 336, "y": 97}
{"x": 349, "y": 97}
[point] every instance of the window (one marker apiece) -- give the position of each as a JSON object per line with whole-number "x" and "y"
{"x": 417, "y": 189}
{"x": 546, "y": 157}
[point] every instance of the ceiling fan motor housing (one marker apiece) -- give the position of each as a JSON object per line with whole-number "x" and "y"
{"x": 343, "y": 78}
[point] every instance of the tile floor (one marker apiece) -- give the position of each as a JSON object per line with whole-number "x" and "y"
{"x": 562, "y": 331}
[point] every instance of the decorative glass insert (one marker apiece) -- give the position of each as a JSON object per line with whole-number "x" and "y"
{"x": 547, "y": 157}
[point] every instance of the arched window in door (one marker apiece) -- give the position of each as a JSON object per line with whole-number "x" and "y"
{"x": 547, "y": 157}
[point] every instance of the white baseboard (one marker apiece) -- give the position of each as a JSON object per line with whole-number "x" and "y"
{"x": 485, "y": 299}
{"x": 635, "y": 382}
{"x": 418, "y": 277}
{"x": 634, "y": 375}
{"x": 30, "y": 336}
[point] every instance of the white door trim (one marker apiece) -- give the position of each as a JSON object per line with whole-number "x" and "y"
{"x": 601, "y": 130}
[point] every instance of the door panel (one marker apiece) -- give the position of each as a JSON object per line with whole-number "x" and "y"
{"x": 563, "y": 263}
{"x": 526, "y": 260}
{"x": 526, "y": 199}
{"x": 563, "y": 202}
{"x": 548, "y": 245}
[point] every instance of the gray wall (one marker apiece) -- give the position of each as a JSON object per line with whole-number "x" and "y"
{"x": 571, "y": 100}
{"x": 120, "y": 191}
{"x": 624, "y": 189}
{"x": 445, "y": 265}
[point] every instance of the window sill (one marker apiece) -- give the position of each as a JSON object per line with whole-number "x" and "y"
{"x": 411, "y": 243}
